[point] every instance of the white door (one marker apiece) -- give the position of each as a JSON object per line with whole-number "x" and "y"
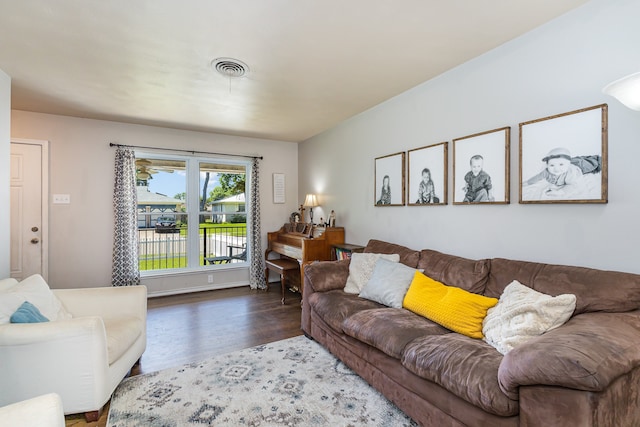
{"x": 28, "y": 201}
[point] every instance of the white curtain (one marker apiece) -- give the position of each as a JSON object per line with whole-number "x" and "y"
{"x": 256, "y": 269}
{"x": 126, "y": 271}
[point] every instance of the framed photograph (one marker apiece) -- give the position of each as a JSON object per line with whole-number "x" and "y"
{"x": 428, "y": 175}
{"x": 389, "y": 180}
{"x": 563, "y": 158}
{"x": 481, "y": 168}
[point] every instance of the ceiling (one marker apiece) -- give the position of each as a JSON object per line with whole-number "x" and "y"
{"x": 312, "y": 63}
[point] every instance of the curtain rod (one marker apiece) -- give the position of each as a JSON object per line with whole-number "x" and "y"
{"x": 113, "y": 144}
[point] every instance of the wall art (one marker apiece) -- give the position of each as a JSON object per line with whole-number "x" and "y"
{"x": 563, "y": 158}
{"x": 389, "y": 180}
{"x": 481, "y": 168}
{"x": 428, "y": 175}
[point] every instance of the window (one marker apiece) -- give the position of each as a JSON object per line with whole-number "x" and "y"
{"x": 191, "y": 212}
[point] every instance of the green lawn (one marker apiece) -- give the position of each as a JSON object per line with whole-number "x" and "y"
{"x": 233, "y": 229}
{"x": 165, "y": 263}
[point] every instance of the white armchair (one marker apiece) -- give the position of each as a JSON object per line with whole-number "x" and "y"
{"x": 41, "y": 411}
{"x": 82, "y": 359}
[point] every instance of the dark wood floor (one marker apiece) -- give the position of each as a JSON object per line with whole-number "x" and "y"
{"x": 190, "y": 327}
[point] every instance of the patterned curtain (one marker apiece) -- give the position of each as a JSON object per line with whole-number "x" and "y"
{"x": 126, "y": 271}
{"x": 256, "y": 270}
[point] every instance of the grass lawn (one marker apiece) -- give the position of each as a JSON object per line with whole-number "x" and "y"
{"x": 232, "y": 229}
{"x": 165, "y": 263}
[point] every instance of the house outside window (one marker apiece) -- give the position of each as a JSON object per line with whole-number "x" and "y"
{"x": 183, "y": 221}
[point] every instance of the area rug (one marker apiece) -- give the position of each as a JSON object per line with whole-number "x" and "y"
{"x": 294, "y": 382}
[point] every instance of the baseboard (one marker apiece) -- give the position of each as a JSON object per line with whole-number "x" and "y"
{"x": 208, "y": 287}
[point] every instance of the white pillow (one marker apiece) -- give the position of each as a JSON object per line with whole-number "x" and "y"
{"x": 389, "y": 283}
{"x": 35, "y": 290}
{"x": 360, "y": 269}
{"x": 5, "y": 284}
{"x": 523, "y": 313}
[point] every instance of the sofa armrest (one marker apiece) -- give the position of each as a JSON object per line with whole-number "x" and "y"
{"x": 587, "y": 353}
{"x": 326, "y": 275}
{"x": 106, "y": 302}
{"x": 321, "y": 276}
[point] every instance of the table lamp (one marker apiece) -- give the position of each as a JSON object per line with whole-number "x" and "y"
{"x": 311, "y": 201}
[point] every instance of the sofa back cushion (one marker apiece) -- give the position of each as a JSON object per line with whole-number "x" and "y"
{"x": 470, "y": 275}
{"x": 595, "y": 290}
{"x": 408, "y": 256}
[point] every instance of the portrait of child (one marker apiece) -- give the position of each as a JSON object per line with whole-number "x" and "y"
{"x": 477, "y": 182}
{"x": 481, "y": 167}
{"x": 563, "y": 158}
{"x": 428, "y": 175}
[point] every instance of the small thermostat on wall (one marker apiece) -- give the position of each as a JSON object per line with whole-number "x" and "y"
{"x": 61, "y": 199}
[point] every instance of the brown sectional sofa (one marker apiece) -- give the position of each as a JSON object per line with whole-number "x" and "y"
{"x": 584, "y": 373}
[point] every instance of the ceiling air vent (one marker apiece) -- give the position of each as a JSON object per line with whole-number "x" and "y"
{"x": 230, "y": 67}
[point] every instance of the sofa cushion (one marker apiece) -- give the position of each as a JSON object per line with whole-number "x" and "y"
{"x": 388, "y": 283}
{"x": 466, "y": 367}
{"x": 390, "y": 329}
{"x": 408, "y": 256}
{"x": 326, "y": 276}
{"x": 361, "y": 268}
{"x": 595, "y": 290}
{"x": 335, "y": 306}
{"x": 523, "y": 313}
{"x": 468, "y": 274}
{"x": 122, "y": 332}
{"x": 451, "y": 307}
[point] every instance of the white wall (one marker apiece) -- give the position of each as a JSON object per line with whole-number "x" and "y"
{"x": 559, "y": 67}
{"x": 82, "y": 163}
{"x": 5, "y": 135}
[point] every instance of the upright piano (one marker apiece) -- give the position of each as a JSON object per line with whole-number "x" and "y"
{"x": 304, "y": 242}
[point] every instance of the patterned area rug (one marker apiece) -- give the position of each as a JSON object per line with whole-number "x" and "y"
{"x": 294, "y": 382}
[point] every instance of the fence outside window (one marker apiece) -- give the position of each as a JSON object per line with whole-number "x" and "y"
{"x": 161, "y": 249}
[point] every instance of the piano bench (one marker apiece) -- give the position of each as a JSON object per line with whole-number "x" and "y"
{"x": 288, "y": 269}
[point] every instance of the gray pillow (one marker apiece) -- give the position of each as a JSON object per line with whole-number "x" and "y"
{"x": 388, "y": 283}
{"x": 360, "y": 269}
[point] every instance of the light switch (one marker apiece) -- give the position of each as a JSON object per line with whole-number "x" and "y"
{"x": 61, "y": 199}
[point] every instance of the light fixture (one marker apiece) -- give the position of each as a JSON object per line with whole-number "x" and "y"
{"x": 311, "y": 201}
{"x": 626, "y": 90}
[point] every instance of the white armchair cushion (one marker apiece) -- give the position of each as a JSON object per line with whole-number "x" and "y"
{"x": 35, "y": 290}
{"x": 121, "y": 334}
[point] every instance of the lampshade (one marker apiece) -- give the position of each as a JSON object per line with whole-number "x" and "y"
{"x": 626, "y": 90}
{"x": 311, "y": 201}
